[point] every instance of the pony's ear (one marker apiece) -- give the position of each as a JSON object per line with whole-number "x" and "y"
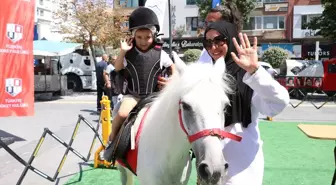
{"x": 179, "y": 64}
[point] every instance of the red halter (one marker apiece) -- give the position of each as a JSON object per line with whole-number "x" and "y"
{"x": 207, "y": 132}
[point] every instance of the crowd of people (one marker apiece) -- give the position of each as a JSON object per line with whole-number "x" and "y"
{"x": 105, "y": 74}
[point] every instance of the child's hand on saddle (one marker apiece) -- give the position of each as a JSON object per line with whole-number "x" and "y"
{"x": 108, "y": 85}
{"x": 162, "y": 82}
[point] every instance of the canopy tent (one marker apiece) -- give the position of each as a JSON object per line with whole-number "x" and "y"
{"x": 44, "y": 53}
{"x": 52, "y": 48}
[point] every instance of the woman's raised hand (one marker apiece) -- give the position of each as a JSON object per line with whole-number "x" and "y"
{"x": 247, "y": 55}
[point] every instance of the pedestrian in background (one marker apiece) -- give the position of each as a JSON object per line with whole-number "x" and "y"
{"x": 100, "y": 80}
{"x": 109, "y": 77}
{"x": 227, "y": 12}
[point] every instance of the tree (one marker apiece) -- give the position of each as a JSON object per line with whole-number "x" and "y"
{"x": 274, "y": 56}
{"x": 243, "y": 6}
{"x": 93, "y": 22}
{"x": 192, "y": 55}
{"x": 326, "y": 23}
{"x": 180, "y": 31}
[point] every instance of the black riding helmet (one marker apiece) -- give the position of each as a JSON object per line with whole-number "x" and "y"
{"x": 143, "y": 17}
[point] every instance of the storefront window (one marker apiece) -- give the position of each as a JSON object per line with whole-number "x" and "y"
{"x": 250, "y": 24}
{"x": 254, "y": 23}
{"x": 129, "y": 3}
{"x": 193, "y": 23}
{"x": 258, "y": 23}
{"x": 281, "y": 22}
{"x": 271, "y": 22}
{"x": 265, "y": 22}
{"x": 305, "y": 19}
{"x": 191, "y": 2}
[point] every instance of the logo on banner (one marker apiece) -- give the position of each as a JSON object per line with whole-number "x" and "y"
{"x": 13, "y": 86}
{"x": 14, "y": 32}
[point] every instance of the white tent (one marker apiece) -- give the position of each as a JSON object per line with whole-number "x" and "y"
{"x": 52, "y": 48}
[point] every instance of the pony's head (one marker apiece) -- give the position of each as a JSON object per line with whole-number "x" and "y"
{"x": 202, "y": 94}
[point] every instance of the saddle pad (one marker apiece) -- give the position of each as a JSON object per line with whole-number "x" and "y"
{"x": 132, "y": 155}
{"x": 125, "y": 139}
{"x": 137, "y": 122}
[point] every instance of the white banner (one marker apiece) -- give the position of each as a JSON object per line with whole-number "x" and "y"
{"x": 159, "y": 7}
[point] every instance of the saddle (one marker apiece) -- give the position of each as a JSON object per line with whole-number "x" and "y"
{"x": 118, "y": 149}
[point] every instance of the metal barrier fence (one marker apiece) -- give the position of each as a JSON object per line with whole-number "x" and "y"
{"x": 28, "y": 165}
{"x": 310, "y": 97}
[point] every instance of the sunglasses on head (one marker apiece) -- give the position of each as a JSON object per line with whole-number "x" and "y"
{"x": 218, "y": 41}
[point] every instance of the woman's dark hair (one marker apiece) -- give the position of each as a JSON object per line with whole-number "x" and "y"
{"x": 230, "y": 13}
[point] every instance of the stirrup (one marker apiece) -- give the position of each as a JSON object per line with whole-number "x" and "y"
{"x": 108, "y": 152}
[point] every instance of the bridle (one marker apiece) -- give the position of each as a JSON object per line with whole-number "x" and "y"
{"x": 217, "y": 132}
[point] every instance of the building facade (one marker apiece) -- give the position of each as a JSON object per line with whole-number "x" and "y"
{"x": 184, "y": 15}
{"x": 279, "y": 23}
{"x": 271, "y": 23}
{"x": 303, "y": 12}
{"x": 44, "y": 20}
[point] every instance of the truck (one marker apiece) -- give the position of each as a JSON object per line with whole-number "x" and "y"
{"x": 79, "y": 68}
{"x": 61, "y": 66}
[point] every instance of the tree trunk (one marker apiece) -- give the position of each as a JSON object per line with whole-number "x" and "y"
{"x": 93, "y": 52}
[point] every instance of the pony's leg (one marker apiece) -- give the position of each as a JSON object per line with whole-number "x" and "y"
{"x": 126, "y": 176}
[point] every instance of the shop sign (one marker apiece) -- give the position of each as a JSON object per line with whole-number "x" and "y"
{"x": 184, "y": 43}
{"x": 281, "y": 7}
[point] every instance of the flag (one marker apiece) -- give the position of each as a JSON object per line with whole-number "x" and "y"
{"x": 215, "y": 3}
{"x": 16, "y": 58}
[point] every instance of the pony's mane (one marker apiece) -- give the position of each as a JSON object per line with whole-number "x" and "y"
{"x": 196, "y": 74}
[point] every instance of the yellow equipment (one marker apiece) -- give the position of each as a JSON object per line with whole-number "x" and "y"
{"x": 105, "y": 117}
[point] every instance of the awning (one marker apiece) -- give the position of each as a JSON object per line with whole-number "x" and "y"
{"x": 44, "y": 53}
{"x": 52, "y": 48}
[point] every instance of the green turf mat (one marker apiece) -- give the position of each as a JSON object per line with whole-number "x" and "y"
{"x": 291, "y": 158}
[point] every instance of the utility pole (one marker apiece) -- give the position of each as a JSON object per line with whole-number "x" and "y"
{"x": 170, "y": 30}
{"x": 317, "y": 50}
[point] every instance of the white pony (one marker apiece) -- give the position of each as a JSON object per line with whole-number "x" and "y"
{"x": 187, "y": 114}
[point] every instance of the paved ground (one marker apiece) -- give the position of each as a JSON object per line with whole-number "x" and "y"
{"x": 60, "y": 116}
